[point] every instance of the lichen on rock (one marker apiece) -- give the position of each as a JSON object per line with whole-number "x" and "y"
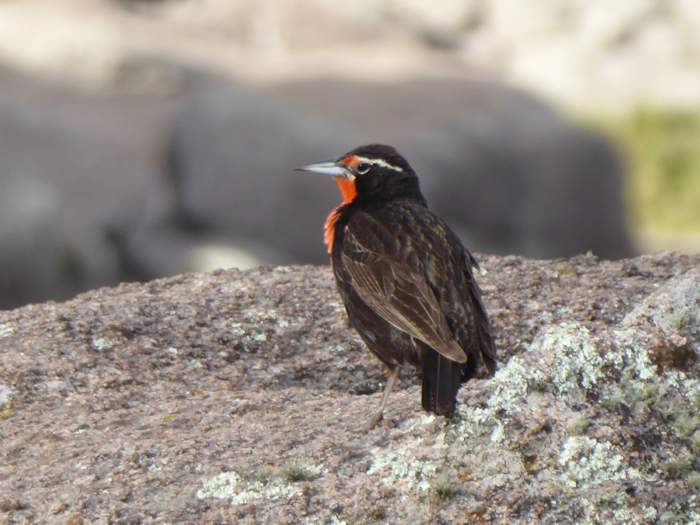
{"x": 190, "y": 415}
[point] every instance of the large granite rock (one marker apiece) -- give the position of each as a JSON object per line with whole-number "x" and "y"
{"x": 517, "y": 179}
{"x": 75, "y": 169}
{"x": 235, "y": 397}
{"x": 230, "y": 162}
{"x": 89, "y": 197}
{"x": 505, "y": 171}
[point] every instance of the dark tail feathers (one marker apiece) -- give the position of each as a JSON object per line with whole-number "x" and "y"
{"x": 441, "y": 379}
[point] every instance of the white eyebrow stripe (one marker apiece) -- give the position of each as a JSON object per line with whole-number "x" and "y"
{"x": 380, "y": 162}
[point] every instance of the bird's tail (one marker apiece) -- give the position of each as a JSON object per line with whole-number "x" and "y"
{"x": 441, "y": 379}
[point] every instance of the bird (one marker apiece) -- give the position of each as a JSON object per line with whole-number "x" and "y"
{"x": 405, "y": 279}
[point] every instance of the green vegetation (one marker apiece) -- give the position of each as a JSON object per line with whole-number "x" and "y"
{"x": 649, "y": 395}
{"x": 293, "y": 473}
{"x": 264, "y": 475}
{"x": 662, "y": 151}
{"x": 577, "y": 427}
{"x": 378, "y": 513}
{"x": 605, "y": 500}
{"x": 687, "y": 424}
{"x": 443, "y": 487}
{"x": 677, "y": 467}
{"x": 693, "y": 481}
{"x": 695, "y": 442}
{"x": 681, "y": 319}
{"x": 244, "y": 471}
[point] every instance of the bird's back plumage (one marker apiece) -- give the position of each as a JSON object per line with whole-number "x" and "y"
{"x": 403, "y": 273}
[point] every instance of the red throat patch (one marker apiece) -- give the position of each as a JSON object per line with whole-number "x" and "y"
{"x": 347, "y": 188}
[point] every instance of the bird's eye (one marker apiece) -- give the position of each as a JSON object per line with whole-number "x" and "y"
{"x": 363, "y": 167}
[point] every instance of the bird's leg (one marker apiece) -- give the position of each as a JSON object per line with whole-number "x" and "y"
{"x": 379, "y": 415}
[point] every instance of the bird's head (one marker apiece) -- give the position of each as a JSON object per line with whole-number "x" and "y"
{"x": 374, "y": 172}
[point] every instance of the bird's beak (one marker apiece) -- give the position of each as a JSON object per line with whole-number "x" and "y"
{"x": 329, "y": 167}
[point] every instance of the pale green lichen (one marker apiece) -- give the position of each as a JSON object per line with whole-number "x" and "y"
{"x": 6, "y": 330}
{"x": 635, "y": 360}
{"x": 6, "y": 393}
{"x": 512, "y": 385}
{"x": 621, "y": 515}
{"x": 687, "y": 424}
{"x": 258, "y": 336}
{"x": 568, "y": 360}
{"x": 260, "y": 317}
{"x": 587, "y": 461}
{"x": 220, "y": 486}
{"x": 231, "y": 485}
{"x": 572, "y": 361}
{"x": 101, "y": 344}
{"x": 237, "y": 329}
{"x": 324, "y": 520}
{"x": 194, "y": 363}
{"x": 402, "y": 464}
{"x": 649, "y": 394}
{"x": 269, "y": 316}
{"x": 695, "y": 442}
{"x": 577, "y": 364}
{"x": 256, "y": 315}
{"x": 409, "y": 464}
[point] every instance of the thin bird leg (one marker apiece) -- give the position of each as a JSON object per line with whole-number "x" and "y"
{"x": 390, "y": 384}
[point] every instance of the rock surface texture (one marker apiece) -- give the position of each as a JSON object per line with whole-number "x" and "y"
{"x": 235, "y": 397}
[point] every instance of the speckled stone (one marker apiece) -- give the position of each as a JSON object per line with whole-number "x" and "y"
{"x": 235, "y": 397}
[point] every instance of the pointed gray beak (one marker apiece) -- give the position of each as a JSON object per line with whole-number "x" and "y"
{"x": 329, "y": 167}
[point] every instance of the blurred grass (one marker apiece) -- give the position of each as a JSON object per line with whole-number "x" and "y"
{"x": 661, "y": 147}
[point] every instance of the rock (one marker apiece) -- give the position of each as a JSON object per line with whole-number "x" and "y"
{"x": 160, "y": 249}
{"x": 230, "y": 162}
{"x": 395, "y": 111}
{"x": 675, "y": 308}
{"x": 505, "y": 171}
{"x": 74, "y": 169}
{"x": 82, "y": 207}
{"x": 6, "y": 393}
{"x": 236, "y": 396}
{"x": 518, "y": 179}
{"x": 582, "y": 55}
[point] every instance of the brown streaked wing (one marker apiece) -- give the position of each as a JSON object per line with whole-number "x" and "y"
{"x": 394, "y": 290}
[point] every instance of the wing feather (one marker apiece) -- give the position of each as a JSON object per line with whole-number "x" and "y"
{"x": 397, "y": 292}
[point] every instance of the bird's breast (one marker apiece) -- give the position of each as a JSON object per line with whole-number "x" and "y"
{"x": 329, "y": 228}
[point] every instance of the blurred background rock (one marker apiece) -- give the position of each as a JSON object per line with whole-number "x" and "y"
{"x": 141, "y": 138}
